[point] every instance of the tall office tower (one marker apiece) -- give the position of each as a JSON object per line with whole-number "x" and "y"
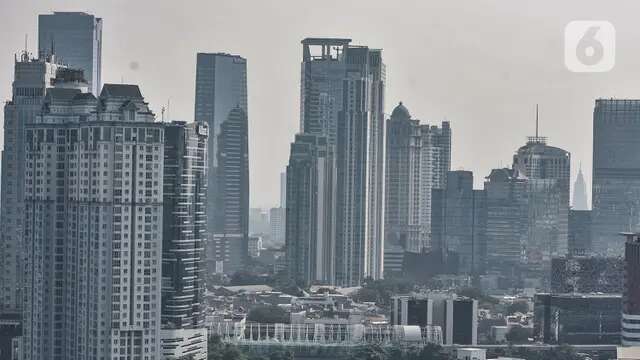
{"x": 547, "y": 171}
{"x": 231, "y": 239}
{"x": 32, "y": 78}
{"x": 580, "y": 193}
{"x": 93, "y": 225}
{"x": 310, "y": 212}
{"x": 579, "y": 239}
{"x": 221, "y": 96}
{"x": 184, "y": 235}
{"x": 461, "y": 223}
{"x": 631, "y": 292}
{"x": 342, "y": 98}
{"x": 418, "y": 158}
{"x": 76, "y": 39}
{"x": 507, "y": 219}
{"x": 616, "y": 173}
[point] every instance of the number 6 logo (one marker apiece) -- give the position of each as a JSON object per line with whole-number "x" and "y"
{"x": 589, "y": 46}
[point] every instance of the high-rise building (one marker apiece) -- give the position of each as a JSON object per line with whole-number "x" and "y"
{"x": 76, "y": 39}
{"x": 631, "y": 292}
{"x": 311, "y": 223}
{"x": 231, "y": 222}
{"x": 579, "y": 239}
{"x": 32, "y": 78}
{"x": 616, "y": 173}
{"x": 461, "y": 223}
{"x": 342, "y": 99}
{"x": 417, "y": 160}
{"x": 184, "y": 236}
{"x": 547, "y": 173}
{"x": 221, "y": 103}
{"x": 507, "y": 219}
{"x": 587, "y": 274}
{"x": 580, "y": 193}
{"x": 93, "y": 225}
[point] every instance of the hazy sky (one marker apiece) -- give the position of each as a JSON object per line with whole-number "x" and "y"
{"x": 482, "y": 65}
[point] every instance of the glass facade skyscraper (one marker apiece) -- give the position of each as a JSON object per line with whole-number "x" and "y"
{"x": 221, "y": 96}
{"x": 616, "y": 173}
{"x": 184, "y": 238}
{"x": 76, "y": 39}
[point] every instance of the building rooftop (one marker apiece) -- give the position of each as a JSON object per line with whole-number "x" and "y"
{"x": 121, "y": 90}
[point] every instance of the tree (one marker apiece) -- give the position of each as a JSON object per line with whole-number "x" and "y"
{"x": 268, "y": 314}
{"x": 517, "y": 335}
{"x": 518, "y": 307}
{"x": 369, "y": 352}
{"x": 217, "y": 350}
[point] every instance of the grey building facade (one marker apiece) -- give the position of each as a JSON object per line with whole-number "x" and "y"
{"x": 616, "y": 173}
{"x": 76, "y": 39}
{"x": 342, "y": 99}
{"x": 459, "y": 227}
{"x": 507, "y": 219}
{"x": 310, "y": 234}
{"x": 547, "y": 173}
{"x": 93, "y": 226}
{"x": 221, "y": 103}
{"x": 418, "y": 157}
{"x": 579, "y": 241}
{"x": 32, "y": 79}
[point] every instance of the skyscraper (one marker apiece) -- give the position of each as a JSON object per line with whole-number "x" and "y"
{"x": 547, "y": 173}
{"x": 580, "y": 193}
{"x": 418, "y": 159}
{"x": 616, "y": 173}
{"x": 93, "y": 225}
{"x": 221, "y": 97}
{"x": 462, "y": 222}
{"x": 342, "y": 99}
{"x": 507, "y": 219}
{"x": 76, "y": 39}
{"x": 311, "y": 224}
{"x": 32, "y": 78}
{"x": 184, "y": 236}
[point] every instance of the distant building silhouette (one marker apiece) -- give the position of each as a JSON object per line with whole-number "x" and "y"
{"x": 580, "y": 192}
{"x": 221, "y": 103}
{"x": 76, "y": 39}
{"x": 418, "y": 157}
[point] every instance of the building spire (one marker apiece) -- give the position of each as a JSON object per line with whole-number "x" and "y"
{"x": 537, "y": 121}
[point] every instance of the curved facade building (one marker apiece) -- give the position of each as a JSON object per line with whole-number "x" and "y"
{"x": 184, "y": 231}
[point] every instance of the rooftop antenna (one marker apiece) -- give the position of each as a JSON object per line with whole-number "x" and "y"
{"x": 168, "y": 107}
{"x": 536, "y": 120}
{"x": 162, "y": 111}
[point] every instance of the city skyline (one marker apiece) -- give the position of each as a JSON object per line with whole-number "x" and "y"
{"x": 464, "y": 101}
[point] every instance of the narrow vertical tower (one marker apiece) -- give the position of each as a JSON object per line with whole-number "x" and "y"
{"x": 184, "y": 237}
{"x": 221, "y": 96}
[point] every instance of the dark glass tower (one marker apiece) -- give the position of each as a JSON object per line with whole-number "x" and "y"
{"x": 184, "y": 225}
{"x": 75, "y": 38}
{"x": 221, "y": 93}
{"x": 616, "y": 173}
